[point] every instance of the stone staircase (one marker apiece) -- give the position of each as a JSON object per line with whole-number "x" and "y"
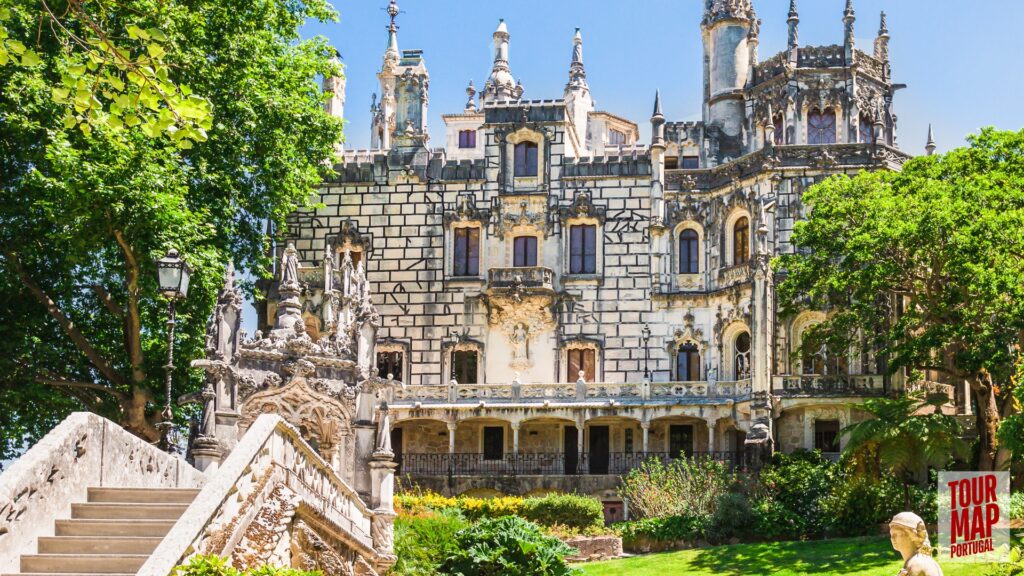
{"x": 113, "y": 532}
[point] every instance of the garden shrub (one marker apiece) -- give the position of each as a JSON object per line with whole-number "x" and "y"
{"x": 217, "y": 566}
{"x": 856, "y": 506}
{"x": 416, "y": 504}
{"x": 733, "y": 518}
{"x": 1017, "y": 505}
{"x": 670, "y": 529}
{"x": 684, "y": 487}
{"x": 507, "y": 546}
{"x": 569, "y": 510}
{"x": 423, "y": 542}
{"x": 796, "y": 485}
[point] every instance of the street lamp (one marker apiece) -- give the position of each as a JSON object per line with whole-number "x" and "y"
{"x": 172, "y": 274}
{"x": 646, "y": 333}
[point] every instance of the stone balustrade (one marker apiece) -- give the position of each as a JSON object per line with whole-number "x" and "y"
{"x": 525, "y": 276}
{"x": 569, "y": 393}
{"x": 818, "y": 385}
{"x": 271, "y": 457}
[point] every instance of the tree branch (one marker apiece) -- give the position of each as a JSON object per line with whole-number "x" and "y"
{"x": 66, "y": 324}
{"x": 132, "y": 320}
{"x": 107, "y": 300}
{"x": 121, "y": 396}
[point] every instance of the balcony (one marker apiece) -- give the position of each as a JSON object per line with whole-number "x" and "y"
{"x": 545, "y": 464}
{"x": 816, "y": 385}
{"x": 526, "y": 277}
{"x": 572, "y": 393}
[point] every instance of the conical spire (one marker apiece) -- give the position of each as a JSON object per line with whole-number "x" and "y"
{"x": 392, "y": 50}
{"x": 882, "y": 41}
{"x": 794, "y": 23}
{"x": 883, "y": 26}
{"x": 500, "y": 84}
{"x": 930, "y": 146}
{"x": 769, "y": 127}
{"x": 849, "y": 17}
{"x": 657, "y": 104}
{"x": 577, "y": 73}
{"x": 657, "y": 122}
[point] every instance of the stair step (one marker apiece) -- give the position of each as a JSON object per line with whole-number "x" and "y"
{"x": 140, "y": 528}
{"x": 123, "y": 511}
{"x": 143, "y": 495}
{"x": 83, "y": 563}
{"x": 97, "y": 545}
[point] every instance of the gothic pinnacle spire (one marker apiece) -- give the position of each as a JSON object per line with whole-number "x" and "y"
{"x": 577, "y": 73}
{"x": 848, "y": 12}
{"x": 501, "y": 85}
{"x": 657, "y": 122}
{"x": 930, "y": 146}
{"x": 883, "y": 26}
{"x": 657, "y": 105}
{"x": 849, "y": 17}
{"x": 392, "y": 31}
{"x": 794, "y": 22}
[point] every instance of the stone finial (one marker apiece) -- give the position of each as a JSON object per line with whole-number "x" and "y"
{"x": 471, "y": 95}
{"x": 794, "y": 22}
{"x": 882, "y": 41}
{"x": 849, "y": 17}
{"x": 577, "y": 73}
{"x": 392, "y": 50}
{"x": 930, "y": 145}
{"x": 501, "y": 84}
{"x": 769, "y": 127}
{"x": 883, "y": 26}
{"x": 657, "y": 105}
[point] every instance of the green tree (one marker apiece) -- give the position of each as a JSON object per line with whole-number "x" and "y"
{"x": 86, "y": 207}
{"x": 905, "y": 437}
{"x": 924, "y": 267}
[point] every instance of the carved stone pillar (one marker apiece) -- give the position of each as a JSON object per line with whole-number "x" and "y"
{"x": 646, "y": 426}
{"x": 515, "y": 437}
{"x": 808, "y": 431}
{"x": 711, "y": 422}
{"x": 451, "y": 436}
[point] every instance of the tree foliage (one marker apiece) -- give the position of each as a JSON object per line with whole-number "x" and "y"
{"x": 86, "y": 207}
{"x": 924, "y": 267}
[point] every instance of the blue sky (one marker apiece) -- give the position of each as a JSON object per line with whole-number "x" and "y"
{"x": 958, "y": 58}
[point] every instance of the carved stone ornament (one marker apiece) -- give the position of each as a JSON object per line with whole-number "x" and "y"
{"x": 465, "y": 210}
{"x": 512, "y": 211}
{"x": 530, "y": 316}
{"x": 582, "y": 207}
{"x": 310, "y": 552}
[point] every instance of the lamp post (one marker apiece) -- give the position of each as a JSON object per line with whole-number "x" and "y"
{"x": 172, "y": 277}
{"x": 646, "y": 333}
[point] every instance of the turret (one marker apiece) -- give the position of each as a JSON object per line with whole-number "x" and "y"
{"x": 334, "y": 88}
{"x": 500, "y": 84}
{"x": 404, "y": 83}
{"x": 578, "y": 101}
{"x": 727, "y": 28}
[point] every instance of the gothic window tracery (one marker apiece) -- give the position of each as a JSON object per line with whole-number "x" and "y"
{"x": 741, "y": 361}
{"x": 867, "y": 130}
{"x": 821, "y": 126}
{"x": 780, "y": 130}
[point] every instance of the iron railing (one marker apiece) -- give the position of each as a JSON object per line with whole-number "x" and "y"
{"x": 547, "y": 463}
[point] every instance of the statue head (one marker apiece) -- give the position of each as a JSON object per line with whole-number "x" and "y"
{"x": 908, "y": 532}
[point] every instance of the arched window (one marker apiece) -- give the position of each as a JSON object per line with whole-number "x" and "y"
{"x": 818, "y": 360}
{"x": 741, "y": 362}
{"x": 689, "y": 252}
{"x": 867, "y": 130}
{"x": 780, "y": 130}
{"x": 526, "y": 159}
{"x": 821, "y": 127}
{"x": 741, "y": 241}
{"x": 464, "y": 366}
{"x": 688, "y": 363}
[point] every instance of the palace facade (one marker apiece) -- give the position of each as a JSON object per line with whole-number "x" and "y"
{"x": 562, "y": 301}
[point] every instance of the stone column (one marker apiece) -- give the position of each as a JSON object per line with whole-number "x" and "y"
{"x": 646, "y": 426}
{"x": 579, "y": 445}
{"x": 515, "y": 437}
{"x": 452, "y": 425}
{"x": 808, "y": 431}
{"x": 711, "y": 422}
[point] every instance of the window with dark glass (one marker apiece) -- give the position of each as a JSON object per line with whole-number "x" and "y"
{"x": 689, "y": 252}
{"x": 464, "y": 366}
{"x": 616, "y": 138}
{"x": 821, "y": 127}
{"x": 628, "y": 441}
{"x": 526, "y": 159}
{"x": 494, "y": 442}
{"x": 690, "y": 162}
{"x": 583, "y": 249}
{"x": 524, "y": 251}
{"x": 688, "y": 363}
{"x": 867, "y": 130}
{"x": 467, "y": 139}
{"x": 390, "y": 363}
{"x": 742, "y": 360}
{"x": 826, "y": 435}
{"x": 680, "y": 440}
{"x": 671, "y": 162}
{"x": 581, "y": 360}
{"x": 741, "y": 241}
{"x": 780, "y": 130}
{"x": 467, "y": 252}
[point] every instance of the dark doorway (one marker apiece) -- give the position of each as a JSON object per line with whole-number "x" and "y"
{"x": 396, "y": 446}
{"x": 494, "y": 442}
{"x": 571, "y": 449}
{"x": 826, "y": 435}
{"x": 598, "y": 450}
{"x": 680, "y": 440}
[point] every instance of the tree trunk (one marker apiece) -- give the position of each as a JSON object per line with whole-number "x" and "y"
{"x": 987, "y": 421}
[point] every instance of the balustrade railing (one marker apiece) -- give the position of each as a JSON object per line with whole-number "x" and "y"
{"x": 525, "y": 276}
{"x": 548, "y": 463}
{"x": 829, "y": 385}
{"x": 566, "y": 392}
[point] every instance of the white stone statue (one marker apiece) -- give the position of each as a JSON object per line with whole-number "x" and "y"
{"x": 909, "y": 537}
{"x": 519, "y": 338}
{"x": 290, "y": 265}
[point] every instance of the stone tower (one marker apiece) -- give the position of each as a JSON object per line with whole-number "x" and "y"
{"x": 401, "y": 113}
{"x": 729, "y": 30}
{"x": 578, "y": 101}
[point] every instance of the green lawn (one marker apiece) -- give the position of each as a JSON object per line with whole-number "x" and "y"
{"x": 862, "y": 556}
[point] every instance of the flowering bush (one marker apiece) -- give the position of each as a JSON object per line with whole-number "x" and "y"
{"x": 684, "y": 487}
{"x": 569, "y": 510}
